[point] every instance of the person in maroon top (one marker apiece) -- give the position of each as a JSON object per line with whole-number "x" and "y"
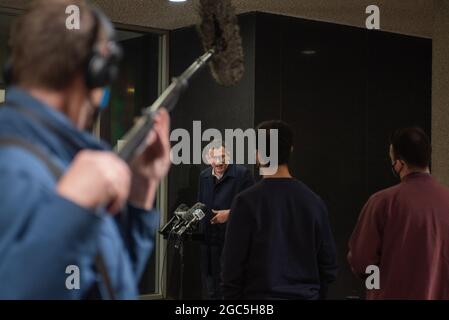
{"x": 404, "y": 230}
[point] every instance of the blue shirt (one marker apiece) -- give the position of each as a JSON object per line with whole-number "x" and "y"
{"x": 42, "y": 233}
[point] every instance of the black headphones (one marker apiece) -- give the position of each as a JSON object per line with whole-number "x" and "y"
{"x": 101, "y": 69}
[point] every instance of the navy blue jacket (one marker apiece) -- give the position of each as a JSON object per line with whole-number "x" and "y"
{"x": 220, "y": 196}
{"x": 41, "y": 233}
{"x": 279, "y": 244}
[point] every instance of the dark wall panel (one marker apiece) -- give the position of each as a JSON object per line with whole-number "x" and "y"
{"x": 216, "y": 107}
{"x": 343, "y": 90}
{"x": 269, "y": 56}
{"x": 323, "y": 93}
{"x": 399, "y": 72}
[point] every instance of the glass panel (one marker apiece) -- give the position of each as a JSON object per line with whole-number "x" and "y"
{"x": 5, "y": 26}
{"x": 136, "y": 88}
{"x": 137, "y": 84}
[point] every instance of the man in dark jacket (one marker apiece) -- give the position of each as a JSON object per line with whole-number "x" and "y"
{"x": 279, "y": 244}
{"x": 219, "y": 184}
{"x": 63, "y": 191}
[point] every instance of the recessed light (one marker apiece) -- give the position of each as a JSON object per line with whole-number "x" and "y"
{"x": 131, "y": 90}
{"x": 308, "y": 52}
{"x": 177, "y": 0}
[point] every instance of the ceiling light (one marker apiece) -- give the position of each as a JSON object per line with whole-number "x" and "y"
{"x": 308, "y": 52}
{"x": 177, "y": 0}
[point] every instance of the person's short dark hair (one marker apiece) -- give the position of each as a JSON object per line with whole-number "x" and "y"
{"x": 285, "y": 138}
{"x": 44, "y": 52}
{"x": 411, "y": 145}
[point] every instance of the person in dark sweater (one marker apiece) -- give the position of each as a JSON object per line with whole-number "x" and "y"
{"x": 279, "y": 243}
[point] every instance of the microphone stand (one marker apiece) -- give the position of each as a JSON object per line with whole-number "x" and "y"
{"x": 181, "y": 271}
{"x": 177, "y": 229}
{"x": 179, "y": 244}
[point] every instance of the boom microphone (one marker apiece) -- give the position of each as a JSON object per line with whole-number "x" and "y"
{"x": 220, "y": 35}
{"x": 220, "y": 32}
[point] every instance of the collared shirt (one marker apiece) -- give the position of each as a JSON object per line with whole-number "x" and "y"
{"x": 42, "y": 233}
{"x": 404, "y": 230}
{"x": 216, "y": 175}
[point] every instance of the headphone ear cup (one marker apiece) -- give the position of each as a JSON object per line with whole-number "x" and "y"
{"x": 97, "y": 71}
{"x": 103, "y": 69}
{"x": 8, "y": 73}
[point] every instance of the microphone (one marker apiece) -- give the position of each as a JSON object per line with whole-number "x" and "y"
{"x": 181, "y": 210}
{"x": 193, "y": 215}
{"x": 176, "y": 221}
{"x": 220, "y": 35}
{"x": 219, "y": 31}
{"x": 190, "y": 214}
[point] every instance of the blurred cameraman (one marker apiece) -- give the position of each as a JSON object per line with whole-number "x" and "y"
{"x": 62, "y": 190}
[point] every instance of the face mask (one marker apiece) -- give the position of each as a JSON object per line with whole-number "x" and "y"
{"x": 105, "y": 98}
{"x": 104, "y": 103}
{"x": 395, "y": 174}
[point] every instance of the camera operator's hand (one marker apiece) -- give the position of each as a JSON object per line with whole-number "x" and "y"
{"x": 96, "y": 178}
{"x": 153, "y": 164}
